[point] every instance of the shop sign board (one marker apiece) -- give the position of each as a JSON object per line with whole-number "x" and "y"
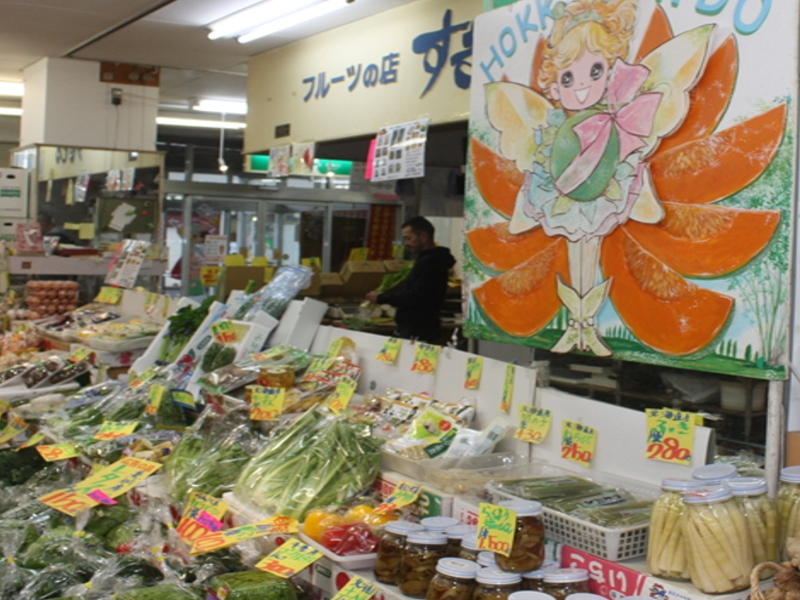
{"x": 396, "y": 66}
{"x": 632, "y": 196}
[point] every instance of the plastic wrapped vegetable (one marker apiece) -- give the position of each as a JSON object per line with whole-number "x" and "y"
{"x": 18, "y": 467}
{"x": 182, "y": 326}
{"x": 12, "y": 576}
{"x": 318, "y": 460}
{"x": 162, "y": 592}
{"x": 51, "y": 582}
{"x": 629, "y": 514}
{"x": 252, "y": 585}
{"x": 546, "y": 488}
{"x": 274, "y": 297}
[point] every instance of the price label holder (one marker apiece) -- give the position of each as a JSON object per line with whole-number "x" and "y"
{"x": 357, "y": 588}
{"x": 404, "y": 493}
{"x": 289, "y": 559}
{"x": 223, "y": 332}
{"x": 389, "y": 351}
{"x": 14, "y": 427}
{"x": 341, "y": 397}
{"x": 426, "y": 357}
{"x": 472, "y": 379}
{"x": 578, "y": 442}
{"x": 155, "y": 398}
{"x": 111, "y": 430}
{"x": 109, "y": 295}
{"x": 508, "y": 388}
{"x": 267, "y": 404}
{"x": 496, "y": 527}
{"x": 192, "y": 526}
{"x": 534, "y": 424}
{"x": 57, "y": 452}
{"x": 217, "y": 540}
{"x": 670, "y": 435}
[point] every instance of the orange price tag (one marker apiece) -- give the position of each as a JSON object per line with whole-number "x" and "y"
{"x": 111, "y": 430}
{"x": 426, "y": 357}
{"x": 217, "y": 540}
{"x": 289, "y": 559}
{"x": 224, "y": 332}
{"x": 58, "y": 452}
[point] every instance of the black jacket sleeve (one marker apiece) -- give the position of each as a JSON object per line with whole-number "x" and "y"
{"x": 420, "y": 289}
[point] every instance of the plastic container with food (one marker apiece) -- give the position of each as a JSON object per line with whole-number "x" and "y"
{"x": 390, "y": 548}
{"x": 788, "y": 503}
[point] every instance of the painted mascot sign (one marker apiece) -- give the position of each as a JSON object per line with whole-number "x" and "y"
{"x": 631, "y": 180}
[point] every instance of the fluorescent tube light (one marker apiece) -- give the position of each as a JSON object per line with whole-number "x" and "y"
{"x": 301, "y": 16}
{"x": 9, "y": 88}
{"x": 178, "y": 122}
{"x": 229, "y": 107}
{"x": 10, "y": 112}
{"x": 256, "y": 15}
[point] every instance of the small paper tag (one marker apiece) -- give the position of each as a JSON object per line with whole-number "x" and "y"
{"x": 223, "y": 332}
{"x": 109, "y": 295}
{"x": 266, "y": 404}
{"x": 534, "y": 424}
{"x": 57, "y": 452}
{"x": 578, "y": 442}
{"x": 80, "y": 354}
{"x": 389, "y": 351}
{"x": 404, "y": 493}
{"x": 357, "y": 588}
{"x": 111, "y": 430}
{"x": 508, "y": 388}
{"x": 426, "y": 357}
{"x": 496, "y": 527}
{"x": 670, "y": 435}
{"x": 472, "y": 380}
{"x": 289, "y": 559}
{"x": 341, "y": 397}
{"x": 101, "y": 497}
{"x": 155, "y": 398}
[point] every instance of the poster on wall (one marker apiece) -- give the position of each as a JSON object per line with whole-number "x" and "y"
{"x": 400, "y": 151}
{"x": 279, "y": 161}
{"x": 303, "y": 163}
{"x": 631, "y": 179}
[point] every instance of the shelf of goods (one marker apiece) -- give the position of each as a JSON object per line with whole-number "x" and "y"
{"x": 197, "y": 467}
{"x": 74, "y": 265}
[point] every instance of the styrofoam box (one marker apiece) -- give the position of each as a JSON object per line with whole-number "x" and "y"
{"x": 243, "y": 513}
{"x": 13, "y": 193}
{"x": 354, "y": 562}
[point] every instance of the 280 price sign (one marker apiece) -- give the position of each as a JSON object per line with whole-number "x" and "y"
{"x": 670, "y": 435}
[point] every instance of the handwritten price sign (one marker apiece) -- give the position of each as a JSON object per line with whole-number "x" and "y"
{"x": 271, "y": 353}
{"x": 534, "y": 424}
{"x": 223, "y": 332}
{"x": 578, "y": 442}
{"x": 218, "y": 540}
{"x": 57, "y": 452}
{"x": 404, "y": 494}
{"x": 155, "y": 398}
{"x": 472, "y": 380}
{"x": 266, "y": 404}
{"x": 426, "y": 356}
{"x": 357, "y": 588}
{"x": 289, "y": 559}
{"x": 146, "y": 376}
{"x": 388, "y": 353}
{"x": 341, "y": 397}
{"x": 670, "y": 435}
{"x": 109, "y": 295}
{"x": 209, "y": 276}
{"x": 496, "y": 527}
{"x": 508, "y": 388}
{"x": 191, "y": 527}
{"x": 80, "y": 354}
{"x": 111, "y": 430}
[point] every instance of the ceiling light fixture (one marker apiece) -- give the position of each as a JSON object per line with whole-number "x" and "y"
{"x": 10, "y": 112}
{"x": 230, "y": 107}
{"x": 295, "y": 18}
{"x": 10, "y": 88}
{"x": 256, "y": 15}
{"x": 178, "y": 122}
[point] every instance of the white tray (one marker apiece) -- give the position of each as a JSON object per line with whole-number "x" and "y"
{"x": 351, "y": 563}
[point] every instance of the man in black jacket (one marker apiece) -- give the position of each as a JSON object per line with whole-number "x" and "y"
{"x": 419, "y": 303}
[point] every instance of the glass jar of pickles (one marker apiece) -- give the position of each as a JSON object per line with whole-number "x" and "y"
{"x": 560, "y": 583}
{"x": 666, "y": 556}
{"x": 390, "y": 548}
{"x": 534, "y": 580}
{"x": 750, "y": 494}
{"x": 454, "y": 580}
{"x": 469, "y": 549}
{"x": 280, "y": 376}
{"x": 418, "y": 561}
{"x": 787, "y": 503}
{"x": 494, "y": 584}
{"x": 455, "y": 533}
{"x": 487, "y": 559}
{"x": 714, "y": 474}
{"x": 527, "y": 550}
{"x": 717, "y": 543}
{"x": 438, "y": 523}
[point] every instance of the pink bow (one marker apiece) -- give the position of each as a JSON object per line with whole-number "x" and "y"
{"x": 632, "y": 118}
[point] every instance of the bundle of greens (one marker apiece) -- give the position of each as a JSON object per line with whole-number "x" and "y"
{"x": 252, "y": 585}
{"x": 182, "y": 326}
{"x": 319, "y": 460}
{"x": 18, "y": 467}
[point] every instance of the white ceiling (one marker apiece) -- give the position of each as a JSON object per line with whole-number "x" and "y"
{"x": 167, "y": 33}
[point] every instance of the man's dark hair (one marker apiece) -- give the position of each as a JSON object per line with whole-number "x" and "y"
{"x": 420, "y": 225}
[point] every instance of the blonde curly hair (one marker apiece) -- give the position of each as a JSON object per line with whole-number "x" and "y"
{"x": 602, "y": 26}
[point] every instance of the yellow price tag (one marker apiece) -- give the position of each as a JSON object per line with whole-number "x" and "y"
{"x": 358, "y": 254}
{"x": 192, "y": 525}
{"x": 4, "y": 406}
{"x": 496, "y": 527}
{"x": 155, "y": 398}
{"x": 508, "y": 389}
{"x": 404, "y": 493}
{"x": 272, "y": 352}
{"x": 578, "y": 442}
{"x": 146, "y": 376}
{"x": 289, "y": 559}
{"x": 183, "y": 398}
{"x": 472, "y": 380}
{"x": 426, "y": 356}
{"x": 233, "y": 260}
{"x": 111, "y": 430}
{"x": 58, "y": 452}
{"x": 334, "y": 348}
{"x": 33, "y": 440}
{"x": 318, "y": 364}
{"x": 389, "y": 351}
{"x": 670, "y": 435}
{"x": 357, "y": 588}
{"x": 209, "y": 276}
{"x": 14, "y": 427}
{"x": 80, "y": 354}
{"x": 266, "y": 404}
{"x": 311, "y": 261}
{"x": 341, "y": 397}
{"x": 224, "y": 332}
{"x": 109, "y": 295}
{"x": 217, "y": 540}
{"x": 534, "y": 424}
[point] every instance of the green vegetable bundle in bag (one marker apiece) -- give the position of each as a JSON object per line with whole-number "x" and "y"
{"x": 252, "y": 585}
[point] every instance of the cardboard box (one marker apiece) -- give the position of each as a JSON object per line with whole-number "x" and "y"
{"x": 314, "y": 287}
{"x": 792, "y": 448}
{"x": 395, "y": 264}
{"x": 13, "y": 193}
{"x": 360, "y": 277}
{"x": 331, "y": 285}
{"x": 237, "y": 278}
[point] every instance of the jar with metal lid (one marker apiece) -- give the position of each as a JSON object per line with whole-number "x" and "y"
{"x": 534, "y": 580}
{"x": 455, "y": 533}
{"x": 487, "y": 559}
{"x": 714, "y": 474}
{"x": 438, "y": 523}
{"x": 750, "y": 494}
{"x": 390, "y": 549}
{"x": 666, "y": 556}
{"x": 495, "y": 584}
{"x": 527, "y": 549}
{"x": 717, "y": 543}
{"x": 418, "y": 561}
{"x": 454, "y": 580}
{"x": 560, "y": 583}
{"x": 469, "y": 549}
{"x": 787, "y": 503}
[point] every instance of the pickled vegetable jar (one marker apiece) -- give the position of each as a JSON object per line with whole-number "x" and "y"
{"x": 560, "y": 583}
{"x": 390, "y": 548}
{"x": 455, "y": 533}
{"x": 760, "y": 515}
{"x": 527, "y": 550}
{"x": 666, "y": 555}
{"x": 534, "y": 580}
{"x": 281, "y": 376}
{"x": 788, "y": 504}
{"x": 714, "y": 474}
{"x": 487, "y": 559}
{"x": 454, "y": 580}
{"x": 469, "y": 549}
{"x": 718, "y": 549}
{"x": 439, "y": 523}
{"x": 494, "y": 584}
{"x": 418, "y": 561}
